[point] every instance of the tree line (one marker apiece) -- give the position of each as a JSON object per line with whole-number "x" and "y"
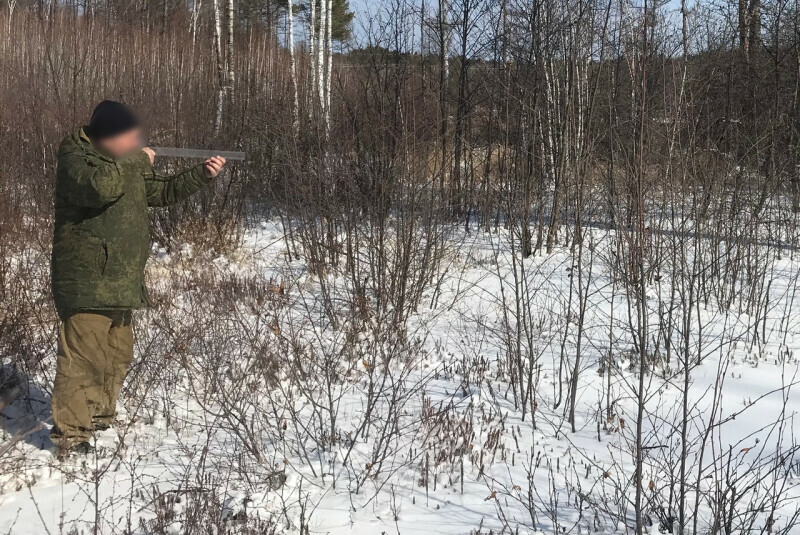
{"x": 504, "y": 112}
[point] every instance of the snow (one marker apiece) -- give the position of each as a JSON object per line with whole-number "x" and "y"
{"x": 421, "y": 436}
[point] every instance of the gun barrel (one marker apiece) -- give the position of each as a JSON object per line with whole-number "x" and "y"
{"x": 174, "y": 152}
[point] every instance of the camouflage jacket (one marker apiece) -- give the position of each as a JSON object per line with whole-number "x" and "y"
{"x": 101, "y": 239}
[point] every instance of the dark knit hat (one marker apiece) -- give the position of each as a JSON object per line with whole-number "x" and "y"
{"x": 110, "y": 118}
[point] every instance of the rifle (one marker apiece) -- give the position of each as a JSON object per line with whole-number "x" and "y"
{"x": 174, "y": 152}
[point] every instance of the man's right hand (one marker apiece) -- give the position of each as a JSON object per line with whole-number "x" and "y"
{"x": 150, "y": 154}
{"x": 213, "y": 165}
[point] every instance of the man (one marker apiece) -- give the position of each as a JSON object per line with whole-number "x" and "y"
{"x": 104, "y": 183}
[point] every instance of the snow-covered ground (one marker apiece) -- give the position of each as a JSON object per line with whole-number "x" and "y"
{"x": 426, "y": 431}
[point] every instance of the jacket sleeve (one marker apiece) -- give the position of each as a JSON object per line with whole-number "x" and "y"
{"x": 88, "y": 183}
{"x": 167, "y": 190}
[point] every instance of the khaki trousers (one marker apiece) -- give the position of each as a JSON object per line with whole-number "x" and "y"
{"x": 95, "y": 350}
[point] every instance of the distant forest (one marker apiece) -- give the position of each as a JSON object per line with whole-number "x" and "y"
{"x": 526, "y": 114}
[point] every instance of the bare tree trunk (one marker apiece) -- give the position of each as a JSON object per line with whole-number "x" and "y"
{"x": 293, "y": 71}
{"x": 638, "y": 265}
{"x": 231, "y": 79}
{"x": 755, "y": 22}
{"x": 444, "y": 79}
{"x": 323, "y": 21}
{"x": 744, "y": 34}
{"x": 457, "y": 193}
{"x": 220, "y": 67}
{"x": 549, "y": 148}
{"x": 196, "y": 5}
{"x": 12, "y": 4}
{"x": 329, "y": 68}
{"x": 312, "y": 44}
{"x": 749, "y": 24}
{"x": 423, "y": 42}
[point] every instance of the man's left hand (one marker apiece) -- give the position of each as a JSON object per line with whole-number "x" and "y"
{"x": 213, "y": 165}
{"x": 150, "y": 154}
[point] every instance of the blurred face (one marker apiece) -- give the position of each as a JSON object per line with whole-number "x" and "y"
{"x": 121, "y": 144}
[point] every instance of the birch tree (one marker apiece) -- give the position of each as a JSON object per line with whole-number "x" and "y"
{"x": 231, "y": 79}
{"x": 321, "y": 52}
{"x": 196, "y": 6}
{"x": 443, "y": 28}
{"x": 12, "y": 4}
{"x": 749, "y": 24}
{"x": 329, "y": 68}
{"x": 327, "y": 20}
{"x": 293, "y": 70}
{"x": 224, "y": 60}
{"x": 321, "y": 49}
{"x": 220, "y": 67}
{"x": 312, "y": 45}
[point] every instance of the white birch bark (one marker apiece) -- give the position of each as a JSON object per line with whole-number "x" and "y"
{"x": 422, "y": 41}
{"x": 196, "y": 5}
{"x": 229, "y": 52}
{"x": 220, "y": 67}
{"x": 12, "y": 4}
{"x": 444, "y": 28}
{"x": 329, "y": 68}
{"x": 323, "y": 21}
{"x": 293, "y": 72}
{"x": 312, "y": 32}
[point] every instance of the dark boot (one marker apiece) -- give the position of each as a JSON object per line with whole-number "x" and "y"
{"x": 101, "y": 425}
{"x": 81, "y": 449}
{"x": 65, "y": 447}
